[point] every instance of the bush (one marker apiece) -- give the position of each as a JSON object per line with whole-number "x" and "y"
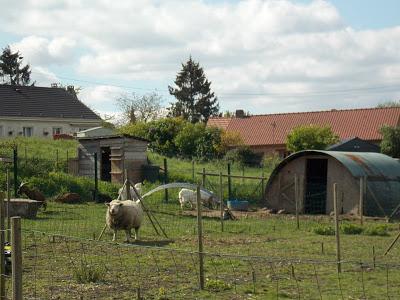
{"x": 86, "y": 273}
{"x": 310, "y": 137}
{"x": 243, "y": 156}
{"x": 57, "y": 183}
{"x": 348, "y": 228}
{"x": 377, "y": 230}
{"x": 324, "y": 230}
{"x": 216, "y": 285}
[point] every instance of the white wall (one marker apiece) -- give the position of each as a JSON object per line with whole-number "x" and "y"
{"x": 42, "y": 125}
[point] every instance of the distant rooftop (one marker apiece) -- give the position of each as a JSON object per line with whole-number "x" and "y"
{"x": 272, "y": 129}
{"x": 42, "y": 102}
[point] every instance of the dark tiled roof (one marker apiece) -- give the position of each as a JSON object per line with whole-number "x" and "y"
{"x": 42, "y": 102}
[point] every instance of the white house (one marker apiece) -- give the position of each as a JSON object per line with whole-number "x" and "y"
{"x": 42, "y": 112}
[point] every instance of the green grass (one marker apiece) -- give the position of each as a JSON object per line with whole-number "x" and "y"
{"x": 253, "y": 258}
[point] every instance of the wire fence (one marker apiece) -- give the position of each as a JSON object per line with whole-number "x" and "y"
{"x": 60, "y": 267}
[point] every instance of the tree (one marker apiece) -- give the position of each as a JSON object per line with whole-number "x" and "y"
{"x": 195, "y": 101}
{"x": 11, "y": 70}
{"x": 310, "y": 137}
{"x": 389, "y": 104}
{"x": 390, "y": 144}
{"x": 142, "y": 108}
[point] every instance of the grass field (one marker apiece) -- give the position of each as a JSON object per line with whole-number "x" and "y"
{"x": 258, "y": 256}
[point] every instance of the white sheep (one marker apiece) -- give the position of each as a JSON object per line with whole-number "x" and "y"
{"x": 187, "y": 196}
{"x": 124, "y": 215}
{"x": 138, "y": 187}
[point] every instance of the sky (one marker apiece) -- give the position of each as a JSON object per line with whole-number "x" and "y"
{"x": 263, "y": 56}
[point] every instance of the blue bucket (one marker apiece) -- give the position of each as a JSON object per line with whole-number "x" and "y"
{"x": 238, "y": 205}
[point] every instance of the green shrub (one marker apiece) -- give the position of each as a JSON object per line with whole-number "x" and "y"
{"x": 348, "y": 228}
{"x": 86, "y": 273}
{"x": 324, "y": 230}
{"x": 216, "y": 285}
{"x": 243, "y": 156}
{"x": 378, "y": 230}
{"x": 56, "y": 182}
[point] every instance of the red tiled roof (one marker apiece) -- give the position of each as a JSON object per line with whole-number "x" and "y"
{"x": 219, "y": 122}
{"x": 273, "y": 129}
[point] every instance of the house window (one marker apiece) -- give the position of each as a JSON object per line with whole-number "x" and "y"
{"x": 1, "y": 131}
{"x": 28, "y": 131}
{"x": 57, "y": 130}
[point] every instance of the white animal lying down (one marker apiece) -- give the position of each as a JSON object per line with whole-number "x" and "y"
{"x": 124, "y": 215}
{"x": 187, "y": 196}
{"x": 138, "y": 187}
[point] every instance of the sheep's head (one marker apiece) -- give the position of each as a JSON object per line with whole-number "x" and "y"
{"x": 114, "y": 207}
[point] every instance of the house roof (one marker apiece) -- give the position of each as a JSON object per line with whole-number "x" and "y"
{"x": 272, "y": 129}
{"x": 42, "y": 102}
{"x": 219, "y": 122}
{"x": 356, "y": 142}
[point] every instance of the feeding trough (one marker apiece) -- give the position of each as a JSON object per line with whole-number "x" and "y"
{"x": 239, "y": 205}
{"x": 24, "y": 208}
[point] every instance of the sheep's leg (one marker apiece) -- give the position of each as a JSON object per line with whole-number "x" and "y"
{"x": 114, "y": 235}
{"x": 128, "y": 235}
{"x": 137, "y": 233}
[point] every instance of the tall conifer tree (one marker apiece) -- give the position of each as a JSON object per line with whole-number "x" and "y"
{"x": 11, "y": 70}
{"x": 194, "y": 100}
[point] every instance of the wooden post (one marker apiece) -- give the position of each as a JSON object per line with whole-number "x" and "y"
{"x": 2, "y": 257}
{"x": 262, "y": 186}
{"x": 200, "y": 239}
{"x": 57, "y": 159}
{"x": 373, "y": 256}
{"x": 127, "y": 186}
{"x": 96, "y": 183}
{"x": 16, "y": 258}
{"x": 193, "y": 173}
{"x": 8, "y": 206}
{"x": 15, "y": 160}
{"x": 221, "y": 199}
{"x": 67, "y": 161}
{"x": 361, "y": 203}
{"x": 337, "y": 234}
{"x": 296, "y": 199}
{"x": 203, "y": 178}
{"x": 229, "y": 182}
{"x": 166, "y": 179}
{"x": 26, "y": 156}
{"x": 242, "y": 174}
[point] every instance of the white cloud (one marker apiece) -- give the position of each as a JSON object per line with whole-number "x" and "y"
{"x": 275, "y": 49}
{"x": 43, "y": 51}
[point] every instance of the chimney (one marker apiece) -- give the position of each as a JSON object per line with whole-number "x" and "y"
{"x": 239, "y": 113}
{"x": 71, "y": 90}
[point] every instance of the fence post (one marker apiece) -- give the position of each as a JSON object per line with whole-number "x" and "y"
{"x": 8, "y": 206}
{"x": 229, "y": 182}
{"x": 2, "y": 257}
{"x": 16, "y": 258}
{"x": 262, "y": 186}
{"x": 193, "y": 173}
{"x": 127, "y": 186}
{"x": 57, "y": 160}
{"x": 361, "y": 203}
{"x": 15, "y": 160}
{"x": 200, "y": 239}
{"x": 296, "y": 199}
{"x": 96, "y": 180}
{"x": 221, "y": 201}
{"x": 26, "y": 157}
{"x": 203, "y": 178}
{"x": 67, "y": 162}
{"x": 337, "y": 234}
{"x": 166, "y": 179}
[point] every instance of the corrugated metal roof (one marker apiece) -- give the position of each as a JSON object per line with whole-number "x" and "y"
{"x": 273, "y": 129}
{"x": 375, "y": 166}
{"x": 382, "y": 173}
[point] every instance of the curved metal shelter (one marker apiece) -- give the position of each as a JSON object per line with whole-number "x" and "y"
{"x": 318, "y": 170}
